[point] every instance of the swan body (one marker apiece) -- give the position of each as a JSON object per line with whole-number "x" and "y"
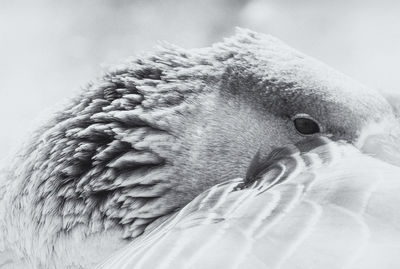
{"x": 140, "y": 143}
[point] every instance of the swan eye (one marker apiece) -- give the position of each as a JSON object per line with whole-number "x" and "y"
{"x": 306, "y": 125}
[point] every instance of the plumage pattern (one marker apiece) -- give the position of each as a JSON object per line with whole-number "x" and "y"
{"x": 330, "y": 207}
{"x": 141, "y": 142}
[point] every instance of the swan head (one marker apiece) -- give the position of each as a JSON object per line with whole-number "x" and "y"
{"x": 153, "y": 133}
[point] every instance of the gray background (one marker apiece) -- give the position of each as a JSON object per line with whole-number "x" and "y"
{"x": 50, "y": 49}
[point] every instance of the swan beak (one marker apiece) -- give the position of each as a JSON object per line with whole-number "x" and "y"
{"x": 385, "y": 147}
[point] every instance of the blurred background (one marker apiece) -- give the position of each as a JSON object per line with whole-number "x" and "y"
{"x": 50, "y": 49}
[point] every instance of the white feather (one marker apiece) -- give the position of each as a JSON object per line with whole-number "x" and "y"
{"x": 337, "y": 213}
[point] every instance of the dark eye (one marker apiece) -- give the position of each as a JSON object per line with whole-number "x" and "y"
{"x": 306, "y": 125}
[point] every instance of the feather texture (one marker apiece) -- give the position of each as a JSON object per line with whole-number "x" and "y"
{"x": 153, "y": 133}
{"x": 336, "y": 208}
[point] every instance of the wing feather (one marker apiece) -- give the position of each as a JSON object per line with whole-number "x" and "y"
{"x": 333, "y": 208}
